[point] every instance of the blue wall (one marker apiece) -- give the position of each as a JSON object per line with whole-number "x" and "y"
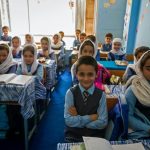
{"x": 143, "y": 32}
{"x": 110, "y": 19}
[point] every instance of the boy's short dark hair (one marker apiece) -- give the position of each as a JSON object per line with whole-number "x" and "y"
{"x": 109, "y": 35}
{"x": 141, "y": 49}
{"x": 5, "y": 27}
{"x": 78, "y": 30}
{"x": 86, "y": 60}
{"x": 92, "y": 38}
{"x": 83, "y": 34}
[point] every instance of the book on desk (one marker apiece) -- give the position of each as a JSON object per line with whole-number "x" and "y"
{"x": 15, "y": 79}
{"x": 93, "y": 143}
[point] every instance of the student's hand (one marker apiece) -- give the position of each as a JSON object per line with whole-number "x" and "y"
{"x": 73, "y": 111}
{"x": 94, "y": 117}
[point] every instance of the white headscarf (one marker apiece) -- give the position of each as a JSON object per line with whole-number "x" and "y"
{"x": 120, "y": 51}
{"x": 58, "y": 44}
{"x": 34, "y": 64}
{"x": 140, "y": 86}
{"x": 4, "y": 67}
{"x": 19, "y": 48}
{"x": 80, "y": 51}
{"x": 49, "y": 46}
{"x": 29, "y": 43}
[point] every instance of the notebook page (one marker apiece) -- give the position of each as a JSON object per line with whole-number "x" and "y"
{"x": 93, "y": 143}
{"x": 20, "y": 80}
{"x": 5, "y": 78}
{"x": 134, "y": 146}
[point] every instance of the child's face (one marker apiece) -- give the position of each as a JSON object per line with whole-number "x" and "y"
{"x": 146, "y": 70}
{"x": 82, "y": 38}
{"x": 28, "y": 58}
{"x": 55, "y": 39}
{"x": 15, "y": 43}
{"x": 3, "y": 55}
{"x": 28, "y": 38}
{"x": 5, "y": 31}
{"x": 87, "y": 51}
{"x": 139, "y": 56}
{"x": 77, "y": 34}
{"x": 108, "y": 40}
{"x": 116, "y": 46}
{"x": 44, "y": 45}
{"x": 86, "y": 75}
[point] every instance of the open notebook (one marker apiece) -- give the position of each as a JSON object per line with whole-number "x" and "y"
{"x": 92, "y": 143}
{"x": 15, "y": 79}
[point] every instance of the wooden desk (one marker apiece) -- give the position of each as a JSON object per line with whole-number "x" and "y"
{"x": 103, "y": 55}
{"x": 113, "y": 68}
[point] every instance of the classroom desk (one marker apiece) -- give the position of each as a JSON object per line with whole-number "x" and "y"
{"x": 113, "y": 68}
{"x": 23, "y": 95}
{"x": 50, "y": 73}
{"x": 57, "y": 54}
{"x": 67, "y": 146}
{"x": 74, "y": 56}
{"x": 103, "y": 55}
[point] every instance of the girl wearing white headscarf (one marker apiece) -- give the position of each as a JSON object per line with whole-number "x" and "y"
{"x": 7, "y": 65}
{"x": 138, "y": 99}
{"x": 16, "y": 47}
{"x": 88, "y": 48}
{"x": 116, "y": 53}
{"x": 29, "y": 40}
{"x": 29, "y": 65}
{"x": 46, "y": 50}
{"x": 130, "y": 71}
{"x": 56, "y": 42}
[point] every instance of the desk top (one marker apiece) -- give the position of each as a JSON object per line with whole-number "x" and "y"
{"x": 67, "y": 146}
{"x": 111, "y": 65}
{"x": 74, "y": 52}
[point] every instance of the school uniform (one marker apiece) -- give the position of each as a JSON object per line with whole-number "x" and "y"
{"x": 116, "y": 56}
{"x": 76, "y": 43}
{"x": 106, "y": 47}
{"x": 6, "y": 38}
{"x": 82, "y": 125}
{"x": 138, "y": 99}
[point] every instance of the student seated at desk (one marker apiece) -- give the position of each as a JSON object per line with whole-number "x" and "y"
{"x": 16, "y": 47}
{"x": 29, "y": 65}
{"x": 138, "y": 99}
{"x": 85, "y": 105}
{"x": 5, "y": 36}
{"x": 7, "y": 65}
{"x": 130, "y": 71}
{"x": 76, "y": 42}
{"x": 107, "y": 46}
{"x": 62, "y": 35}
{"x": 88, "y": 49}
{"x": 82, "y": 37}
{"x": 45, "y": 50}
{"x": 29, "y": 40}
{"x": 116, "y": 53}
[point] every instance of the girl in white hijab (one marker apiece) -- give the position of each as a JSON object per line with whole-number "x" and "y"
{"x": 138, "y": 99}
{"x": 116, "y": 53}
{"x": 46, "y": 50}
{"x": 7, "y": 65}
{"x": 130, "y": 71}
{"x": 29, "y": 40}
{"x": 16, "y": 47}
{"x": 56, "y": 42}
{"x": 29, "y": 65}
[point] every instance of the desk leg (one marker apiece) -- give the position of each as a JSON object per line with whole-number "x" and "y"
{"x": 26, "y": 134}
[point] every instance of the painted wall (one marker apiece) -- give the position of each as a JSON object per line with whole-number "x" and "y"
{"x": 143, "y": 29}
{"x": 110, "y": 19}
